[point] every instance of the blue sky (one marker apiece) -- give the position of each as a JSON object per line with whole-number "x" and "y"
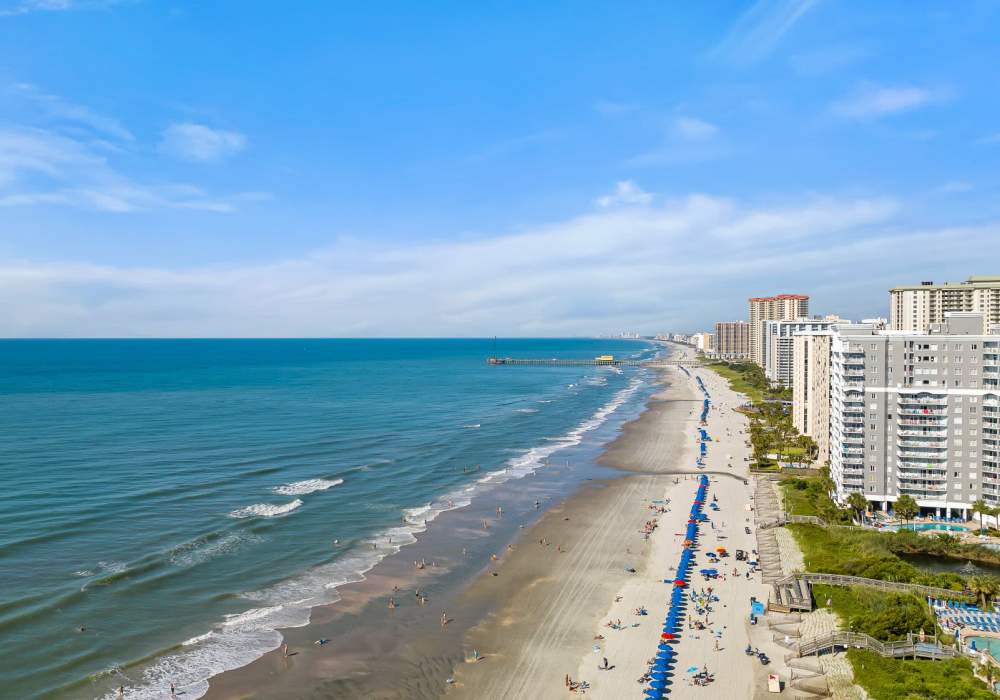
{"x": 319, "y": 169}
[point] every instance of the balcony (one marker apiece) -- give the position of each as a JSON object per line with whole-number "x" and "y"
{"x": 909, "y": 444}
{"x": 937, "y": 422}
{"x": 922, "y": 400}
{"x": 933, "y": 431}
{"x": 923, "y": 412}
{"x": 920, "y": 454}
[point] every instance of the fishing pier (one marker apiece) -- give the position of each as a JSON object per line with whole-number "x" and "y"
{"x": 599, "y": 361}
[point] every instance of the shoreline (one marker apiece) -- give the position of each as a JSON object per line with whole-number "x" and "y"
{"x": 420, "y": 661}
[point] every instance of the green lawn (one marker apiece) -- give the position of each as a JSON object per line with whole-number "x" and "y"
{"x": 893, "y": 679}
{"x": 737, "y": 382}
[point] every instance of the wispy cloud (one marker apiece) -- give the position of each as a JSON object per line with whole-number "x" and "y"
{"x": 759, "y": 30}
{"x": 694, "y": 129}
{"x": 626, "y": 192}
{"x": 634, "y": 266}
{"x": 27, "y": 7}
{"x": 956, "y": 187}
{"x": 515, "y": 144}
{"x": 615, "y": 108}
{"x": 199, "y": 143}
{"x": 686, "y": 139}
{"x": 61, "y": 109}
{"x": 826, "y": 59}
{"x": 39, "y": 167}
{"x": 874, "y": 102}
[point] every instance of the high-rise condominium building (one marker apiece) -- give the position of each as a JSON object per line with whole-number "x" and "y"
{"x": 914, "y": 308}
{"x": 916, "y": 413}
{"x": 811, "y": 388}
{"x": 705, "y": 342}
{"x": 779, "y": 308}
{"x": 778, "y": 344}
{"x": 732, "y": 340}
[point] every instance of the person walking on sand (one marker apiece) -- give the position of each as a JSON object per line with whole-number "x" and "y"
{"x": 284, "y": 650}
{"x": 444, "y": 619}
{"x": 121, "y": 691}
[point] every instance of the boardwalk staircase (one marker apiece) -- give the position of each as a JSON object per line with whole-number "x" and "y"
{"x": 909, "y": 648}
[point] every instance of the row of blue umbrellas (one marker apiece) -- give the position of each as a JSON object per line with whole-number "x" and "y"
{"x": 660, "y": 671}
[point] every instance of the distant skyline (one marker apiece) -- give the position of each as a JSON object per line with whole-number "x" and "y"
{"x": 253, "y": 169}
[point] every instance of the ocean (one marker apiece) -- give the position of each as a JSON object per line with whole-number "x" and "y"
{"x": 168, "y": 505}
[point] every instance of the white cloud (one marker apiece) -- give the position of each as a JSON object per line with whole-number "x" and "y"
{"x": 638, "y": 266}
{"x": 694, "y": 129}
{"x": 39, "y": 167}
{"x": 759, "y": 30}
{"x": 197, "y": 142}
{"x": 626, "y": 192}
{"x": 956, "y": 187}
{"x": 872, "y": 102}
{"x": 26, "y": 7}
{"x": 59, "y": 108}
{"x": 615, "y": 108}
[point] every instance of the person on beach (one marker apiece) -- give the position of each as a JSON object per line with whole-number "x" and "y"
{"x": 121, "y": 691}
{"x": 444, "y": 619}
{"x": 392, "y": 603}
{"x": 173, "y": 691}
{"x": 284, "y": 650}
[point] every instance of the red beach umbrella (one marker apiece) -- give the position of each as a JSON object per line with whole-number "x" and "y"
{"x": 667, "y": 635}
{"x": 679, "y": 583}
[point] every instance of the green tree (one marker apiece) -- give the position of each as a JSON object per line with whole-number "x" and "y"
{"x": 906, "y": 508}
{"x": 982, "y": 509}
{"x": 858, "y": 502}
{"x": 984, "y": 587}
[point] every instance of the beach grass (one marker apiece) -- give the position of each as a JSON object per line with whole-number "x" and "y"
{"x": 739, "y": 380}
{"x": 884, "y": 616}
{"x": 895, "y": 679}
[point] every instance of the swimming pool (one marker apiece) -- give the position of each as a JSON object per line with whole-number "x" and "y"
{"x": 989, "y": 644}
{"x": 923, "y": 527}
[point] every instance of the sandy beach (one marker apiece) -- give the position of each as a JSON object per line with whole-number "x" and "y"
{"x": 556, "y": 622}
{"x": 537, "y": 613}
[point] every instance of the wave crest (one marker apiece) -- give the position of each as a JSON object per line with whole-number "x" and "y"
{"x": 301, "y": 488}
{"x": 266, "y": 510}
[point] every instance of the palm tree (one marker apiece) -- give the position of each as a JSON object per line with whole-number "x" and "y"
{"x": 982, "y": 509}
{"x": 906, "y": 508}
{"x": 984, "y": 587}
{"x": 859, "y": 503}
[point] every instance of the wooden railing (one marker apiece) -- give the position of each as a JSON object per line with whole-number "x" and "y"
{"x": 911, "y": 647}
{"x": 895, "y": 586}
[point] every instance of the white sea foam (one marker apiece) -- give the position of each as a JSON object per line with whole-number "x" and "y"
{"x": 240, "y": 639}
{"x": 204, "y": 548}
{"x": 301, "y": 488}
{"x": 266, "y": 510}
{"x": 471, "y": 425}
{"x": 526, "y": 410}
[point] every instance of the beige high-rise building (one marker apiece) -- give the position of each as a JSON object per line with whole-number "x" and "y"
{"x": 782, "y": 307}
{"x": 914, "y": 308}
{"x": 811, "y": 388}
{"x": 705, "y": 342}
{"x": 732, "y": 340}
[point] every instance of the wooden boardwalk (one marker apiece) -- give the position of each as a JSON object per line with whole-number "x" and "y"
{"x": 909, "y": 648}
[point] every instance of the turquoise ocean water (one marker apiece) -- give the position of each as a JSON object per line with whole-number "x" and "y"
{"x": 178, "y": 499}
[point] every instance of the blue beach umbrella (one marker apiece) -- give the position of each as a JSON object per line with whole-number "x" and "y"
{"x": 654, "y": 694}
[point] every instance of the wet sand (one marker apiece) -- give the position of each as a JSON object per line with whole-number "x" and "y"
{"x": 531, "y": 622}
